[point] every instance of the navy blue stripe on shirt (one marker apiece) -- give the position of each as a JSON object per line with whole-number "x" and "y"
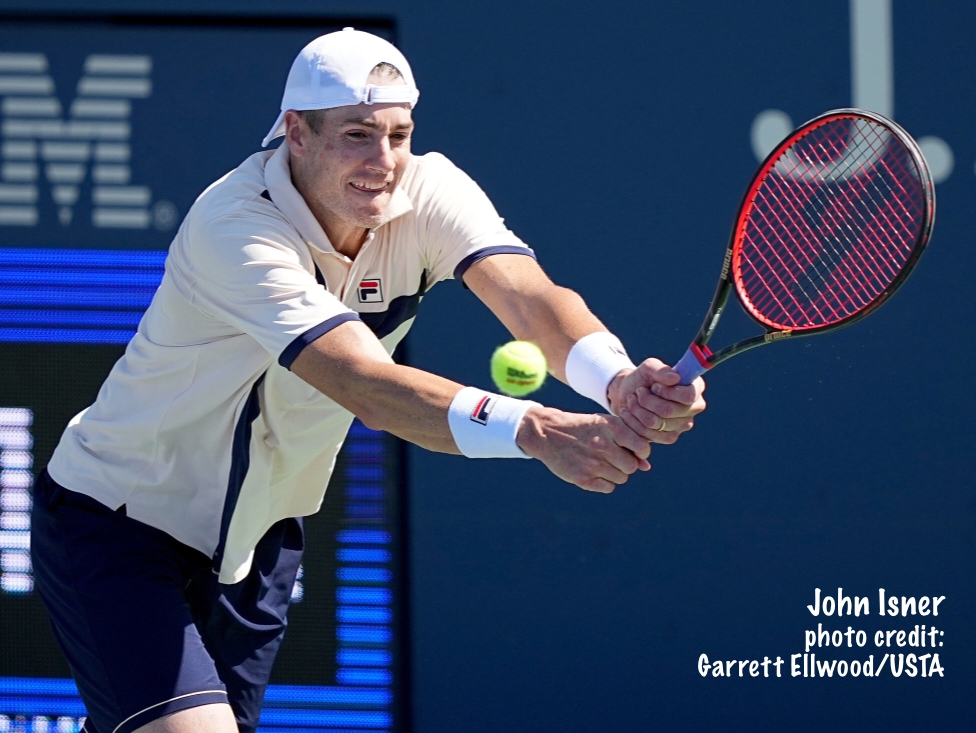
{"x": 240, "y": 462}
{"x": 502, "y": 249}
{"x": 295, "y": 348}
{"x": 319, "y": 278}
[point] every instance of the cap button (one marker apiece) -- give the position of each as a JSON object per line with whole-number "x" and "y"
{"x": 348, "y": 28}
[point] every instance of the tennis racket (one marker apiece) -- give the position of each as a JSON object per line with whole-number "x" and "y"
{"x": 829, "y": 228}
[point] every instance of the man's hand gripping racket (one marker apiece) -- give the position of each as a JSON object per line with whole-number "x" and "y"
{"x": 832, "y": 224}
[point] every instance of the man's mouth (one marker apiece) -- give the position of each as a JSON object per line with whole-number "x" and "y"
{"x": 368, "y": 187}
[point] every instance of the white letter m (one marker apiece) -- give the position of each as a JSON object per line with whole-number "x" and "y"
{"x": 94, "y": 135}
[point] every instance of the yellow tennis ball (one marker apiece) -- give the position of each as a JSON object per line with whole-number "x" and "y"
{"x": 518, "y": 368}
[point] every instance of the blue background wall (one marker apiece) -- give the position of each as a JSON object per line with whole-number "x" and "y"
{"x": 614, "y": 138}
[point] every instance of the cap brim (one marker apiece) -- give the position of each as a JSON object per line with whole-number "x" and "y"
{"x": 277, "y": 130}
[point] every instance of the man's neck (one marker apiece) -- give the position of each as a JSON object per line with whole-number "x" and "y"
{"x": 345, "y": 239}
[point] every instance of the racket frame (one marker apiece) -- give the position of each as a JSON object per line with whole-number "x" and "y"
{"x": 699, "y": 350}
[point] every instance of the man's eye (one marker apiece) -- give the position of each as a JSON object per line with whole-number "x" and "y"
{"x": 356, "y": 134}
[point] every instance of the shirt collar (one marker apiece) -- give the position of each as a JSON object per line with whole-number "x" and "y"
{"x": 277, "y": 177}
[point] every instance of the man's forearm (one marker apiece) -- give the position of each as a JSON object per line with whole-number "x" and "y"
{"x": 349, "y": 365}
{"x": 532, "y": 307}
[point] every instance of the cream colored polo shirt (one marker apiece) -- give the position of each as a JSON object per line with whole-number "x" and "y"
{"x": 201, "y": 425}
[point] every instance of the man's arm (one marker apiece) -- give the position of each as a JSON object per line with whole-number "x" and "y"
{"x": 534, "y": 309}
{"x": 351, "y": 366}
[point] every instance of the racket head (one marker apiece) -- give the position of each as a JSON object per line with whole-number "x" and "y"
{"x": 832, "y": 224}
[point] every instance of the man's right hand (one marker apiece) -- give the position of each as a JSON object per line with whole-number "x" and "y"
{"x": 595, "y": 452}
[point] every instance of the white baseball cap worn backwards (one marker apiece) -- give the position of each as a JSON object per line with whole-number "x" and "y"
{"x": 332, "y": 71}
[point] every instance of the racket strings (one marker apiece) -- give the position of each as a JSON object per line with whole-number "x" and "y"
{"x": 838, "y": 237}
{"x": 815, "y": 280}
{"x": 830, "y": 226}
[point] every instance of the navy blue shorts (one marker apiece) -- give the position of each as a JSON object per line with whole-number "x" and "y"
{"x": 145, "y": 625}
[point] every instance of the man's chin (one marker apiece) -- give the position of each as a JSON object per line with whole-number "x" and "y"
{"x": 366, "y": 216}
{"x": 373, "y": 218}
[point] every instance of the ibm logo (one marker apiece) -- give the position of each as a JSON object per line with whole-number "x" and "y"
{"x": 40, "y": 142}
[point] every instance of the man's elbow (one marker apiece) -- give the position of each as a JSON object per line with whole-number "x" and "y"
{"x": 371, "y": 418}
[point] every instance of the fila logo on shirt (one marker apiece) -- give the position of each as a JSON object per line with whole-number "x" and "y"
{"x": 483, "y": 409}
{"x": 371, "y": 291}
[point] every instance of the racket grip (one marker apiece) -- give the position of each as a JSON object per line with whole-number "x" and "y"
{"x": 690, "y": 366}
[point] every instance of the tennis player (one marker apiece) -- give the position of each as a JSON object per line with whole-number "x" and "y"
{"x": 167, "y": 527}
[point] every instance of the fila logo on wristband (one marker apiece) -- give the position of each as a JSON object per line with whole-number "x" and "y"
{"x": 475, "y": 435}
{"x": 483, "y": 409}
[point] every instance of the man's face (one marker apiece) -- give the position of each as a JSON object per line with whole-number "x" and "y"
{"x": 348, "y": 170}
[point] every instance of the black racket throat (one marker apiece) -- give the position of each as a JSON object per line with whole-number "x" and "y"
{"x": 699, "y": 347}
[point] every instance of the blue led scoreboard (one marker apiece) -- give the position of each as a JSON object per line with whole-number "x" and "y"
{"x": 109, "y": 128}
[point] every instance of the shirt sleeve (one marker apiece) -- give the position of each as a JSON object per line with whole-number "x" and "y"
{"x": 459, "y": 224}
{"x": 255, "y": 274}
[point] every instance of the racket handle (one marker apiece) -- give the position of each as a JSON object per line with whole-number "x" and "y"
{"x": 690, "y": 366}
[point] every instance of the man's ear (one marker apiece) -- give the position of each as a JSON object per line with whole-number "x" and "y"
{"x": 296, "y": 133}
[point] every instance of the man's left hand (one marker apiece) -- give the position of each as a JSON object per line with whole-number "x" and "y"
{"x": 652, "y": 403}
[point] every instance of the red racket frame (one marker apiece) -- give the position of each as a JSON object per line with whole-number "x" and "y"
{"x": 727, "y": 281}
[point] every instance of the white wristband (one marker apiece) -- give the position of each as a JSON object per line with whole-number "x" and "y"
{"x": 484, "y": 424}
{"x": 592, "y": 364}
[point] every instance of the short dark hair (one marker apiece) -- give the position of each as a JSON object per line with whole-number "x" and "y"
{"x": 314, "y": 117}
{"x": 386, "y": 71}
